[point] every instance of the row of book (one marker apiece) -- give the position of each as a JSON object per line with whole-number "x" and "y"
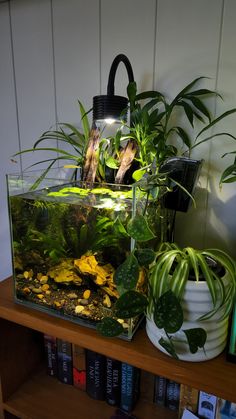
{"x": 190, "y": 402}
{"x": 121, "y": 384}
{"x": 103, "y": 378}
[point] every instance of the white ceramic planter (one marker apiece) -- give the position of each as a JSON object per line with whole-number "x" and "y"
{"x": 196, "y": 302}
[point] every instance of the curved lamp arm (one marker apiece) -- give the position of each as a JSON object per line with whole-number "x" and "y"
{"x": 111, "y": 80}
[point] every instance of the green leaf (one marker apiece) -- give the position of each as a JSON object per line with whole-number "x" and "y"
{"x": 201, "y": 92}
{"x": 131, "y": 91}
{"x": 112, "y": 163}
{"x": 196, "y": 338}
{"x": 169, "y": 347}
{"x": 207, "y": 273}
{"x": 84, "y": 120}
{"x": 145, "y": 256}
{"x": 150, "y": 94}
{"x": 188, "y": 87}
{"x": 180, "y": 277}
{"x": 127, "y": 273}
{"x": 130, "y": 304}
{"x": 138, "y": 229}
{"x": 184, "y": 136}
{"x": 216, "y": 120}
{"x": 188, "y": 110}
{"x": 168, "y": 313}
{"x": 200, "y": 106}
{"x": 109, "y": 327}
{"x": 229, "y": 174}
{"x": 138, "y": 174}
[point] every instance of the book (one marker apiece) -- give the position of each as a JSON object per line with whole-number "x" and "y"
{"x": 50, "y": 346}
{"x": 147, "y": 380}
{"x": 187, "y": 414}
{"x": 172, "y": 395}
{"x": 95, "y": 375}
{"x": 159, "y": 396}
{"x": 207, "y": 404}
{"x": 64, "y": 361}
{"x": 130, "y": 386}
{"x": 188, "y": 399}
{"x": 79, "y": 367}
{"x": 225, "y": 409}
{"x": 113, "y": 380}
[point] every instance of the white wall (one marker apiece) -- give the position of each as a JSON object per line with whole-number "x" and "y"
{"x": 53, "y": 52}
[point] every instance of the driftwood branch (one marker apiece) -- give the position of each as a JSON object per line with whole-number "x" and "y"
{"x": 91, "y": 158}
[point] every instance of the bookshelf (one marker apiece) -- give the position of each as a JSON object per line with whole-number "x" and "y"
{"x": 28, "y": 393}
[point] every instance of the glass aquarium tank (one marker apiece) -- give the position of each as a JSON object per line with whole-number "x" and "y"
{"x": 69, "y": 237}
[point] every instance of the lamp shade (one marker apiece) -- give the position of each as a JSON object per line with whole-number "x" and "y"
{"x": 111, "y": 106}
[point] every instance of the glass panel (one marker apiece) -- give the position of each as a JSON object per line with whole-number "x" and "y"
{"x": 69, "y": 237}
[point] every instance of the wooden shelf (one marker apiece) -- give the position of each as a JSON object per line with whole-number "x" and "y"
{"x": 45, "y": 397}
{"x": 18, "y": 325}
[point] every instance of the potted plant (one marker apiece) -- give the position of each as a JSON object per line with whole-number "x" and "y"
{"x": 191, "y": 294}
{"x": 67, "y": 229}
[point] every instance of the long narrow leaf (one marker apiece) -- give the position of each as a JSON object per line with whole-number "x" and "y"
{"x": 187, "y": 88}
{"x": 194, "y": 261}
{"x": 219, "y": 134}
{"x": 215, "y": 121}
{"x": 84, "y": 120}
{"x": 200, "y": 106}
{"x": 180, "y": 277}
{"x": 208, "y": 277}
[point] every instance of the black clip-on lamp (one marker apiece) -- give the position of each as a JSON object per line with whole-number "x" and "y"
{"x": 111, "y": 106}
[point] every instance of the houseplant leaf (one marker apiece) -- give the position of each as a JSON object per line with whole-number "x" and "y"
{"x": 138, "y": 229}
{"x": 169, "y": 347}
{"x": 196, "y": 338}
{"x": 168, "y": 313}
{"x": 127, "y": 273}
{"x": 109, "y": 327}
{"x": 145, "y": 256}
{"x": 130, "y": 304}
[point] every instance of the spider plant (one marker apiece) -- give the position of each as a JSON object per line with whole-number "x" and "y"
{"x": 174, "y": 266}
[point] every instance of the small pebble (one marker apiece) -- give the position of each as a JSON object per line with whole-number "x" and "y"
{"x": 79, "y": 309}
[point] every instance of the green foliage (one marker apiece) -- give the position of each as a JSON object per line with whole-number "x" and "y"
{"x": 154, "y": 123}
{"x": 130, "y": 304}
{"x": 172, "y": 269}
{"x": 168, "y": 315}
{"x": 127, "y": 273}
{"x": 138, "y": 229}
{"x": 109, "y": 327}
{"x": 229, "y": 174}
{"x": 66, "y": 134}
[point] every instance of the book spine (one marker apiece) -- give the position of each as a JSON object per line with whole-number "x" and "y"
{"x": 159, "y": 396}
{"x": 79, "y": 367}
{"x": 188, "y": 399}
{"x": 113, "y": 380}
{"x": 130, "y": 386}
{"x": 95, "y": 375}
{"x": 50, "y": 345}
{"x": 172, "y": 395}
{"x": 64, "y": 361}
